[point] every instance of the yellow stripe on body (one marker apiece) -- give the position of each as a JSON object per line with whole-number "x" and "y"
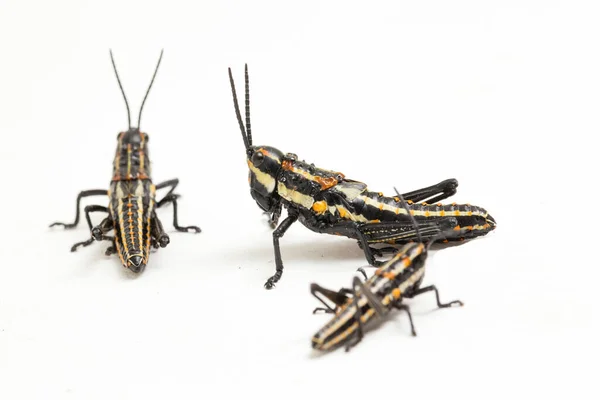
{"x": 294, "y": 196}
{"x": 140, "y": 226}
{"x": 265, "y": 179}
{"x": 420, "y": 213}
{"x": 128, "y": 161}
{"x": 122, "y": 225}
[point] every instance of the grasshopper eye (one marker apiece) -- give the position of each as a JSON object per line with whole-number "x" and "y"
{"x": 258, "y": 158}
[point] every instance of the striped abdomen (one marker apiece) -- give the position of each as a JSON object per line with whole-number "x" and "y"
{"x": 131, "y": 208}
{"x": 345, "y": 201}
{"x": 400, "y": 275}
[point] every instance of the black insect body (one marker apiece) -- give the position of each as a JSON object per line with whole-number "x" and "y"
{"x": 399, "y": 278}
{"x": 132, "y": 199}
{"x": 327, "y": 202}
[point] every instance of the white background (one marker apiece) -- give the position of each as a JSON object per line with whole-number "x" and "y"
{"x": 504, "y": 96}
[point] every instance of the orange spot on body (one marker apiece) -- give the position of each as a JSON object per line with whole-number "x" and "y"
{"x": 396, "y": 293}
{"x": 287, "y": 165}
{"x": 457, "y": 228}
{"x": 389, "y": 275}
{"x": 320, "y": 206}
{"x": 326, "y": 182}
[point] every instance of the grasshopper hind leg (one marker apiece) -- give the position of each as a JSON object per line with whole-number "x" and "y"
{"x": 81, "y": 195}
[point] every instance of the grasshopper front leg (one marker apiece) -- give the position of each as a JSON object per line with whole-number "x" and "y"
{"x": 278, "y": 233}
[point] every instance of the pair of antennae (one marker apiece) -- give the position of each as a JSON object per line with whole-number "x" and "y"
{"x": 246, "y": 131}
{"x": 147, "y": 91}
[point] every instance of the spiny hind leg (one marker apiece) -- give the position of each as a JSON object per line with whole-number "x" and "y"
{"x": 158, "y": 235}
{"x": 171, "y": 183}
{"x": 441, "y": 191}
{"x": 97, "y": 232}
{"x": 81, "y": 195}
{"x": 172, "y": 198}
{"x": 437, "y": 297}
{"x": 405, "y": 232}
{"x": 112, "y": 249}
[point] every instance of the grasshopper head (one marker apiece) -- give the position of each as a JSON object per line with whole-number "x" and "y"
{"x": 264, "y": 162}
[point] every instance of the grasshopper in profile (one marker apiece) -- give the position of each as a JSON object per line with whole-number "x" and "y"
{"x": 326, "y": 201}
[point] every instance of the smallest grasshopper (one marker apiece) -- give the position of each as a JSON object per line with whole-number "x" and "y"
{"x": 398, "y": 278}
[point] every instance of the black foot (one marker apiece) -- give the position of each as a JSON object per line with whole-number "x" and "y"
{"x": 82, "y": 244}
{"x": 362, "y": 271}
{"x": 325, "y": 310}
{"x": 354, "y": 342}
{"x": 110, "y": 251}
{"x": 270, "y": 283}
{"x": 66, "y": 226}
{"x": 163, "y": 241}
{"x": 452, "y": 304}
{"x": 187, "y": 229}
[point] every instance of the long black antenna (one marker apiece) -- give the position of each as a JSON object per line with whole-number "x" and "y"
{"x": 412, "y": 218}
{"x": 248, "y": 128}
{"x": 122, "y": 91}
{"x": 237, "y": 111}
{"x": 149, "y": 87}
